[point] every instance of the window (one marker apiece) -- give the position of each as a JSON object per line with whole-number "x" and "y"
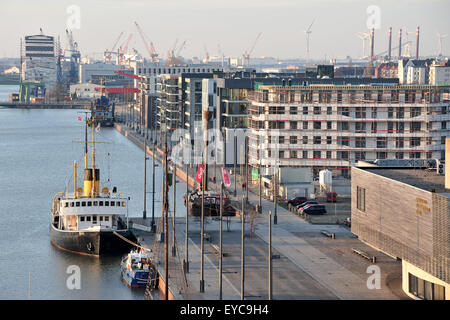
{"x": 329, "y": 140}
{"x": 281, "y": 139}
{"x": 425, "y": 289}
{"x": 94, "y": 219}
{"x": 381, "y": 155}
{"x": 305, "y": 125}
{"x": 118, "y": 204}
{"x": 414, "y": 141}
{"x": 83, "y": 203}
{"x": 305, "y": 154}
{"x": 113, "y": 203}
{"x": 317, "y": 125}
{"x": 381, "y": 142}
{"x": 343, "y": 126}
{"x": 123, "y": 204}
{"x": 66, "y": 204}
{"x": 361, "y": 198}
{"x": 293, "y": 139}
{"x": 328, "y": 125}
{"x": 343, "y": 111}
{"x": 360, "y": 142}
{"x": 360, "y": 155}
{"x": 317, "y": 140}
{"x": 107, "y": 218}
{"x": 328, "y": 154}
{"x": 281, "y": 154}
{"x": 106, "y": 203}
{"x": 95, "y": 203}
{"x": 293, "y": 125}
{"x": 343, "y": 141}
{"x": 415, "y": 126}
{"x": 329, "y": 110}
{"x": 305, "y": 139}
{"x": 100, "y": 203}
{"x": 414, "y": 155}
{"x": 293, "y": 154}
{"x": 81, "y": 219}
{"x": 292, "y": 110}
{"x": 89, "y": 203}
{"x": 88, "y": 218}
{"x": 317, "y": 154}
{"x": 399, "y": 155}
{"x": 317, "y": 110}
{"x": 360, "y": 127}
{"x": 101, "y": 218}
{"x": 305, "y": 110}
{"x": 342, "y": 155}
{"x": 72, "y": 204}
{"x": 443, "y": 125}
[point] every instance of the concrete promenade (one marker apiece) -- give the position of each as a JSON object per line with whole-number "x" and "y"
{"x": 310, "y": 265}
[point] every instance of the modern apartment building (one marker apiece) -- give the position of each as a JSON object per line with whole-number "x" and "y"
{"x": 332, "y": 123}
{"x": 440, "y": 73}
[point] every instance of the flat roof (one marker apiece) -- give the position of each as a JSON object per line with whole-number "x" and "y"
{"x": 426, "y": 179}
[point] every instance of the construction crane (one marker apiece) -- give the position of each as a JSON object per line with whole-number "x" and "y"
{"x": 75, "y": 57}
{"x": 150, "y": 48}
{"x": 109, "y": 52}
{"x": 247, "y": 54}
{"x": 308, "y": 33}
{"x": 180, "y": 48}
{"x": 123, "y": 49}
{"x": 440, "y": 37}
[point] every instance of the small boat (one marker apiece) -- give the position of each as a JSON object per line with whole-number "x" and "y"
{"x": 211, "y": 204}
{"x": 136, "y": 269}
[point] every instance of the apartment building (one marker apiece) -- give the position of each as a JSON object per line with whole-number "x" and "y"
{"x": 440, "y": 73}
{"x": 332, "y": 123}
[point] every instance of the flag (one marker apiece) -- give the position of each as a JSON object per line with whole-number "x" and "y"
{"x": 79, "y": 118}
{"x": 226, "y": 177}
{"x": 201, "y": 168}
{"x": 97, "y": 129}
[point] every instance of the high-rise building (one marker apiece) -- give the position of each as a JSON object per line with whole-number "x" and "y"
{"x": 38, "y": 59}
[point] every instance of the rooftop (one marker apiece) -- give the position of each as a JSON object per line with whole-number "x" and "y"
{"x": 426, "y": 179}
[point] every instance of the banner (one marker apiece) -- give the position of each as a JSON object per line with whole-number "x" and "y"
{"x": 255, "y": 174}
{"x": 226, "y": 177}
{"x": 201, "y": 169}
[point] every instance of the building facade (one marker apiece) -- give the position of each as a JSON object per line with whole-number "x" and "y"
{"x": 38, "y": 60}
{"x": 331, "y": 124}
{"x": 405, "y": 214}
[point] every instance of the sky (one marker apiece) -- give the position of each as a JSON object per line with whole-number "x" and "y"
{"x": 232, "y": 24}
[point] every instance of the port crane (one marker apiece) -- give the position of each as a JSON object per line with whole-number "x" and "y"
{"x": 75, "y": 57}
{"x": 246, "y": 55}
{"x": 108, "y": 53}
{"x": 148, "y": 44}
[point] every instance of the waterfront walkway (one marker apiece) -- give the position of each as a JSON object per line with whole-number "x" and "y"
{"x": 307, "y": 265}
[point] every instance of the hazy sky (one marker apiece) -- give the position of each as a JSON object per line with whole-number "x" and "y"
{"x": 234, "y": 24}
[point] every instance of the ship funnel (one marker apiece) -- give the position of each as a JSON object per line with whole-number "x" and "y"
{"x": 89, "y": 185}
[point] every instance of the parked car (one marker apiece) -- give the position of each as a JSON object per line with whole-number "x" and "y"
{"x": 297, "y": 200}
{"x": 304, "y": 204}
{"x": 348, "y": 222}
{"x": 315, "y": 209}
{"x": 300, "y": 210}
{"x": 331, "y": 196}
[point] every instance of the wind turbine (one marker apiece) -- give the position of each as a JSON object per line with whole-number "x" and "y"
{"x": 363, "y": 36}
{"x": 308, "y": 33}
{"x": 440, "y": 37}
{"x": 408, "y": 43}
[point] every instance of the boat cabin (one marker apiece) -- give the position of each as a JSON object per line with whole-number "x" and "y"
{"x": 86, "y": 213}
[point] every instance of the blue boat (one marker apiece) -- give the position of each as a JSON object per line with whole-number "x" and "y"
{"x": 136, "y": 268}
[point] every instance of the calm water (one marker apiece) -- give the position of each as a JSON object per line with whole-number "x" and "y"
{"x": 37, "y": 149}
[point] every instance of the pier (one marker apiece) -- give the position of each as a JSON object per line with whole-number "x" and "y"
{"x": 305, "y": 264}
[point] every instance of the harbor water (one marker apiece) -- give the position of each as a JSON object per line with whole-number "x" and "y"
{"x": 37, "y": 150}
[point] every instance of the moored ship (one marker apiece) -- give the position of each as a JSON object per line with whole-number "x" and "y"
{"x": 86, "y": 221}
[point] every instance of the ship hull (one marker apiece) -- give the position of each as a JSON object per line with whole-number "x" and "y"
{"x": 91, "y": 243}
